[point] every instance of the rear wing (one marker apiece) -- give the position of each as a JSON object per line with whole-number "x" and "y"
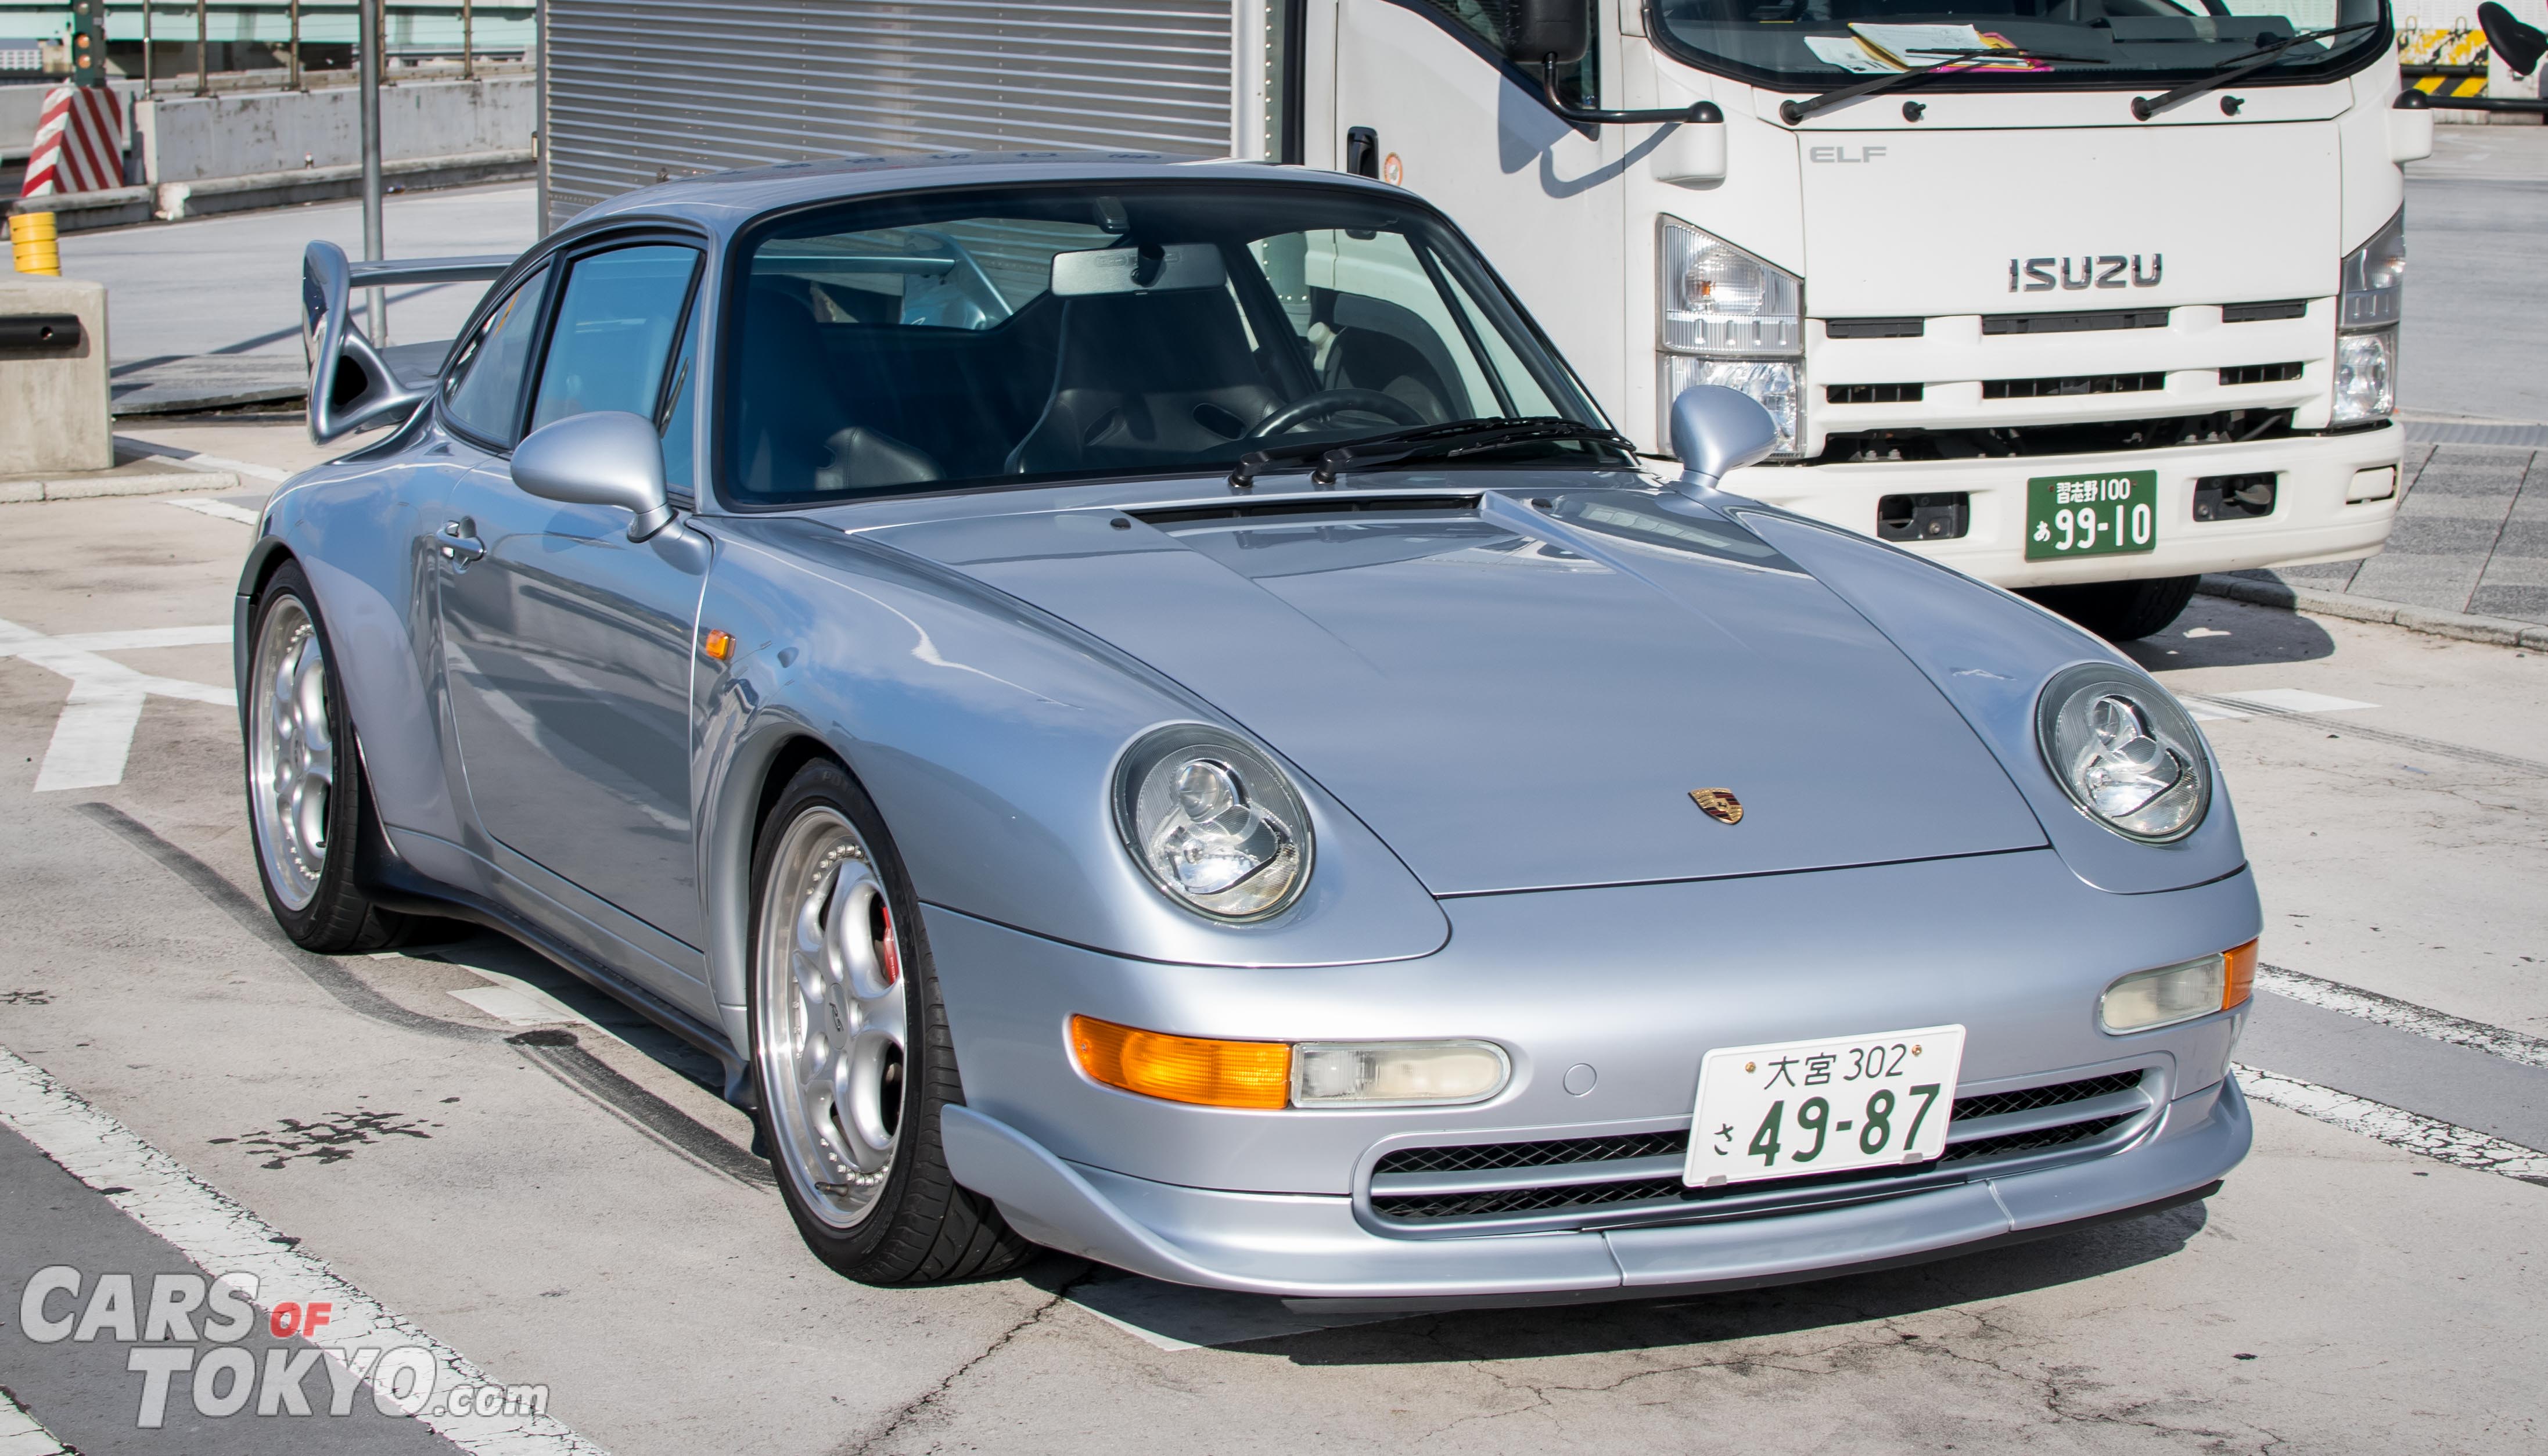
{"x": 353, "y": 383}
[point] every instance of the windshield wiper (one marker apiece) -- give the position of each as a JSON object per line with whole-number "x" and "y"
{"x": 2147, "y": 107}
{"x": 1792, "y": 112}
{"x": 1428, "y": 441}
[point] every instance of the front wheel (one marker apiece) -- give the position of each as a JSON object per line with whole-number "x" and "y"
{"x": 851, "y": 1056}
{"x": 2119, "y": 611}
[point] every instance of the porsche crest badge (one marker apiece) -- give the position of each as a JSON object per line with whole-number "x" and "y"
{"x": 1719, "y": 804}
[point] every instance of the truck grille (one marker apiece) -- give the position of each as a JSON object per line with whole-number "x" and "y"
{"x": 2259, "y": 373}
{"x": 2074, "y": 384}
{"x": 1556, "y": 1183}
{"x": 2079, "y": 437}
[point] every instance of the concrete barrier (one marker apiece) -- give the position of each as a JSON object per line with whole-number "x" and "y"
{"x": 200, "y": 138}
{"x": 53, "y": 391}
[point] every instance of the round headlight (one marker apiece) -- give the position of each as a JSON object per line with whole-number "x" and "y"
{"x": 2126, "y": 754}
{"x": 1213, "y": 822}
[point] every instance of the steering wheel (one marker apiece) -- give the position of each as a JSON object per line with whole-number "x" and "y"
{"x": 1326, "y": 404}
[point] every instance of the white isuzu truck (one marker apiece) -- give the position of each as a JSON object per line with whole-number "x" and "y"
{"x": 2087, "y": 296}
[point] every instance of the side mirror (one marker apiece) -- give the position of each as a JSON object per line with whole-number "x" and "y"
{"x": 2517, "y": 45}
{"x": 1717, "y": 430}
{"x": 1539, "y": 29}
{"x": 608, "y": 457}
{"x": 350, "y": 384}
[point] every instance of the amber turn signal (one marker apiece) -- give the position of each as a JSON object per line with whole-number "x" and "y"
{"x": 719, "y": 645}
{"x": 1252, "y": 1075}
{"x": 2241, "y": 982}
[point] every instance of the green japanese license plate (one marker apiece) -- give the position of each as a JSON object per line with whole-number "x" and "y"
{"x": 2104, "y": 514}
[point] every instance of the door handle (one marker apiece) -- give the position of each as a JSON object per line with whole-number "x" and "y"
{"x": 459, "y": 543}
{"x": 1362, "y": 151}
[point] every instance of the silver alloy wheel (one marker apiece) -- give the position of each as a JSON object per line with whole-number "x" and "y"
{"x": 292, "y": 752}
{"x": 830, "y": 1025}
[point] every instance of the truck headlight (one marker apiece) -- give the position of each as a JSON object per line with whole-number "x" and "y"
{"x": 1728, "y": 318}
{"x": 2374, "y": 276}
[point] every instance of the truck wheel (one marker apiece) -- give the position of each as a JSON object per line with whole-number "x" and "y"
{"x": 307, "y": 805}
{"x": 2119, "y": 611}
{"x": 851, "y": 1054}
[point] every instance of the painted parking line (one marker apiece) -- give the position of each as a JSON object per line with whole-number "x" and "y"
{"x": 219, "y": 509}
{"x": 2266, "y": 703}
{"x": 197, "y": 460}
{"x": 94, "y": 735}
{"x": 216, "y": 1234}
{"x": 2396, "y": 1127}
{"x": 21, "y": 1435}
{"x": 2406, "y": 1016}
{"x": 2271, "y": 703}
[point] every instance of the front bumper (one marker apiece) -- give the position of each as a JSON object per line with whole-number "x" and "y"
{"x": 1313, "y": 1250}
{"x": 2312, "y": 519}
{"x": 1636, "y": 981}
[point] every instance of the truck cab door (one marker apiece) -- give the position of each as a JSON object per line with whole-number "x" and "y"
{"x": 1424, "y": 99}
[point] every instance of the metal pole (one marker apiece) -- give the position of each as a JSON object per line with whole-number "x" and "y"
{"x": 145, "y": 49}
{"x": 468, "y": 42}
{"x": 203, "y": 50}
{"x": 368, "y": 43}
{"x": 541, "y": 112}
{"x": 293, "y": 61}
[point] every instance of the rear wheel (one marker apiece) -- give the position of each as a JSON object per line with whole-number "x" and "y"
{"x": 307, "y": 804}
{"x": 851, "y": 1054}
{"x": 2119, "y": 611}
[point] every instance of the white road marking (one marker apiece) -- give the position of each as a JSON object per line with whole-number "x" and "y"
{"x": 2406, "y": 1016}
{"x": 513, "y": 999}
{"x": 196, "y": 460}
{"x": 2416, "y": 1132}
{"x": 21, "y": 1435}
{"x": 223, "y": 1238}
{"x": 2204, "y": 711}
{"x": 219, "y": 509}
{"x": 2270, "y": 700}
{"x": 94, "y": 735}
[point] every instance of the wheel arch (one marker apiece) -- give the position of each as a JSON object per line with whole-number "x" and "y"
{"x": 747, "y": 787}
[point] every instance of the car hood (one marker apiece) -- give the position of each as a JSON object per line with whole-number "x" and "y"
{"x": 1520, "y": 694}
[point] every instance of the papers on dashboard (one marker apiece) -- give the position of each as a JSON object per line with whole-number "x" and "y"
{"x": 1873, "y": 49}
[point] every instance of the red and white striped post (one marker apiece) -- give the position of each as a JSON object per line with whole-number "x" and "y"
{"x": 78, "y": 147}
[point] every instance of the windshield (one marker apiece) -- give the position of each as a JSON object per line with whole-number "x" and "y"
{"x": 1819, "y": 44}
{"x": 1022, "y": 335}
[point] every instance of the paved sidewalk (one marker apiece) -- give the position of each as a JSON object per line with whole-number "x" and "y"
{"x": 2472, "y": 536}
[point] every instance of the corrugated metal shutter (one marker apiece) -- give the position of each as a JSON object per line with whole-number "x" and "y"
{"x": 639, "y": 90}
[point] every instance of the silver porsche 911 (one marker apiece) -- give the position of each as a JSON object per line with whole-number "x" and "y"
{"x": 1138, "y": 708}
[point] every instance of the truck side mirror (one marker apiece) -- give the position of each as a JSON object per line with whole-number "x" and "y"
{"x": 608, "y": 457}
{"x": 1540, "y": 29}
{"x": 1717, "y": 430}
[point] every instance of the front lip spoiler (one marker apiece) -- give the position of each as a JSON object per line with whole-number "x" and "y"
{"x": 1423, "y": 1304}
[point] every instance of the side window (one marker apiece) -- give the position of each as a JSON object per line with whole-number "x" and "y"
{"x": 678, "y": 429}
{"x": 614, "y": 332}
{"x": 1490, "y": 21}
{"x": 484, "y": 392}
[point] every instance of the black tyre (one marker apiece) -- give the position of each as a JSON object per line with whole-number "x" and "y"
{"x": 309, "y": 808}
{"x": 851, "y": 1056}
{"x": 2119, "y": 611}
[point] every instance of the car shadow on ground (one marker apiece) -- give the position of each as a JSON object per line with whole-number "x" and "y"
{"x": 2215, "y": 632}
{"x": 1174, "y": 1317}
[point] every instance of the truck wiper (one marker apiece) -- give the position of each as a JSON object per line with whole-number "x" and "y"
{"x": 1428, "y": 442}
{"x": 1792, "y": 112}
{"x": 2147, "y": 107}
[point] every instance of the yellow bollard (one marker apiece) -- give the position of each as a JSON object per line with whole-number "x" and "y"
{"x": 32, "y": 246}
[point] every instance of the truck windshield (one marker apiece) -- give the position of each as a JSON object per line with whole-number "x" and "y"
{"x": 1818, "y": 45}
{"x": 981, "y": 338}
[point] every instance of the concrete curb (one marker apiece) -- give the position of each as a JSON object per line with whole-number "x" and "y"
{"x": 2499, "y": 631}
{"x": 169, "y": 202}
{"x": 169, "y": 483}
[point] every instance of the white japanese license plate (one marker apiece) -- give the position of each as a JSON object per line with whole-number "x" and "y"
{"x": 1824, "y": 1106}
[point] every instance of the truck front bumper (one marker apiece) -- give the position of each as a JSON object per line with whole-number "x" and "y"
{"x": 2313, "y": 519}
